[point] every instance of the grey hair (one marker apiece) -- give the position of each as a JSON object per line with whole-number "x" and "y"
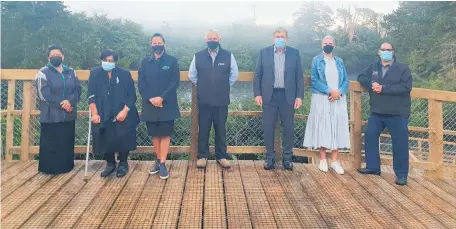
{"x": 328, "y": 37}
{"x": 213, "y": 31}
{"x": 280, "y": 30}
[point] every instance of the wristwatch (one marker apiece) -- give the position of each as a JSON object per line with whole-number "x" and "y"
{"x": 128, "y": 109}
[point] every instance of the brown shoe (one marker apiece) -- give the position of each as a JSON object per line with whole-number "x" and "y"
{"x": 224, "y": 163}
{"x": 201, "y": 163}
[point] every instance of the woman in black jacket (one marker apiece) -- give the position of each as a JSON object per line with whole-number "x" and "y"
{"x": 158, "y": 79}
{"x": 112, "y": 98}
{"x": 58, "y": 90}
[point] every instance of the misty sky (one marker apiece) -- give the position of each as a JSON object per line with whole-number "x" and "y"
{"x": 211, "y": 12}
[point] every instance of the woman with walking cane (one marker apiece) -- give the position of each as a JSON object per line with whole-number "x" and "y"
{"x": 112, "y": 98}
{"x": 158, "y": 79}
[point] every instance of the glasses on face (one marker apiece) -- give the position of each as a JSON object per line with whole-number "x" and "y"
{"x": 389, "y": 50}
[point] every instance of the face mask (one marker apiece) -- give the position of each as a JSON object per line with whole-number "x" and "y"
{"x": 386, "y": 56}
{"x": 108, "y": 66}
{"x": 56, "y": 61}
{"x": 328, "y": 49}
{"x": 279, "y": 43}
{"x": 158, "y": 48}
{"x": 212, "y": 45}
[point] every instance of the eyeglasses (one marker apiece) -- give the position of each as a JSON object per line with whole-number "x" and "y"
{"x": 386, "y": 50}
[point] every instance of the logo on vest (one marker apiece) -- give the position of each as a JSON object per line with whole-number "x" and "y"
{"x": 221, "y": 64}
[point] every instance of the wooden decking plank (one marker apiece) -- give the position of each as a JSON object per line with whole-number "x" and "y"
{"x": 422, "y": 202}
{"x": 436, "y": 190}
{"x": 352, "y": 210}
{"x": 15, "y": 170}
{"x": 282, "y": 209}
{"x": 214, "y": 202}
{"x": 39, "y": 198}
{"x": 144, "y": 213}
{"x": 306, "y": 211}
{"x": 451, "y": 182}
{"x": 20, "y": 180}
{"x": 167, "y": 215}
{"x": 236, "y": 203}
{"x": 120, "y": 212}
{"x": 395, "y": 208}
{"x": 332, "y": 215}
{"x": 192, "y": 203}
{"x": 44, "y": 216}
{"x": 99, "y": 207}
{"x": 7, "y": 164}
{"x": 259, "y": 208}
{"x": 382, "y": 215}
{"x": 442, "y": 185}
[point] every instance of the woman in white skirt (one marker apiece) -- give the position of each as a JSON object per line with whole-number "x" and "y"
{"x": 327, "y": 125}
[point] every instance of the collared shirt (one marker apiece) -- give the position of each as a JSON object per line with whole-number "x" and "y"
{"x": 193, "y": 73}
{"x": 385, "y": 68}
{"x": 279, "y": 68}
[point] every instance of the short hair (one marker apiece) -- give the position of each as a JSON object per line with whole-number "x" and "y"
{"x": 158, "y": 35}
{"x": 330, "y": 37}
{"x": 107, "y": 52}
{"x": 213, "y": 31}
{"x": 54, "y": 47}
{"x": 280, "y": 30}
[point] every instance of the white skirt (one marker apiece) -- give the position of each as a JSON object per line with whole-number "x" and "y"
{"x": 327, "y": 124}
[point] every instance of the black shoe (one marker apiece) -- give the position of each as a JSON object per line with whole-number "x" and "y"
{"x": 369, "y": 171}
{"x": 110, "y": 168}
{"x": 269, "y": 164}
{"x": 288, "y": 165}
{"x": 401, "y": 181}
{"x": 122, "y": 170}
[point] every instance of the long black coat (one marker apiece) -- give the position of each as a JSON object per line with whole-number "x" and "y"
{"x": 159, "y": 78}
{"x": 110, "y": 97}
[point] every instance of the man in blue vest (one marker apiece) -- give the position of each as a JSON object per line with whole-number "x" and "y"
{"x": 213, "y": 70}
{"x": 278, "y": 87}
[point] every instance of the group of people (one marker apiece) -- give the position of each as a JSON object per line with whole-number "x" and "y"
{"x": 278, "y": 88}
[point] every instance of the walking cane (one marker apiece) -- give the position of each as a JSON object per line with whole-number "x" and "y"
{"x": 88, "y": 146}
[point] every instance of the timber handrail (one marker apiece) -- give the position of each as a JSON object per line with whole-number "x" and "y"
{"x": 433, "y": 167}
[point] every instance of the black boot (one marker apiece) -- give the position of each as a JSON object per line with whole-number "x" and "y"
{"x": 122, "y": 170}
{"x": 110, "y": 168}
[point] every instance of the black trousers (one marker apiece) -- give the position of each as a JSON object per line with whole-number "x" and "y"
{"x": 110, "y": 158}
{"x": 278, "y": 105}
{"x": 208, "y": 116}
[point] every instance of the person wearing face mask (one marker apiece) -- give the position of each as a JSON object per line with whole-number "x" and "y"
{"x": 389, "y": 84}
{"x": 158, "y": 79}
{"x": 327, "y": 124}
{"x": 213, "y": 71}
{"x": 58, "y": 90}
{"x": 112, "y": 97}
{"x": 278, "y": 87}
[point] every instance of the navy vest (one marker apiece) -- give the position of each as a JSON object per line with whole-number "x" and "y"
{"x": 213, "y": 85}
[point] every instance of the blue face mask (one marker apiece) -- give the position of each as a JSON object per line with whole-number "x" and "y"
{"x": 386, "y": 56}
{"x": 279, "y": 43}
{"x": 108, "y": 66}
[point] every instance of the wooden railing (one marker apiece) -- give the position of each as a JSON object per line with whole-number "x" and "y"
{"x": 434, "y": 166}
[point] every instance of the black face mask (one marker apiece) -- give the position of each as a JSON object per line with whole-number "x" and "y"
{"x": 158, "y": 49}
{"x": 328, "y": 49}
{"x": 56, "y": 61}
{"x": 213, "y": 45}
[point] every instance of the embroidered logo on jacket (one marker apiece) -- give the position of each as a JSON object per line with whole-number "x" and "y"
{"x": 165, "y": 67}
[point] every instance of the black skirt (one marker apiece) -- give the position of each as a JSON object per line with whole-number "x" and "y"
{"x": 56, "y": 154}
{"x": 106, "y": 140}
{"x": 160, "y": 129}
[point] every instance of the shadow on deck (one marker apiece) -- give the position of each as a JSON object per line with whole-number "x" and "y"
{"x": 245, "y": 196}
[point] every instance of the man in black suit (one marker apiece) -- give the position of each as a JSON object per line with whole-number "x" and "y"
{"x": 389, "y": 84}
{"x": 279, "y": 88}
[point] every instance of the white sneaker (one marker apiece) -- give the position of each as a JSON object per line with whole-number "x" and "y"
{"x": 337, "y": 167}
{"x": 323, "y": 165}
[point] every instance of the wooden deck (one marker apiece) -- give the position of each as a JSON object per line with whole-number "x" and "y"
{"x": 246, "y": 196}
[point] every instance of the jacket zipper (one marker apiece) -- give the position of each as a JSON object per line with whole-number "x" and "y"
{"x": 64, "y": 89}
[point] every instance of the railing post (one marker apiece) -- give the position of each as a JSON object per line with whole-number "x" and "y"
{"x": 355, "y": 132}
{"x": 27, "y": 97}
{"x": 435, "y": 117}
{"x": 194, "y": 131}
{"x": 10, "y": 120}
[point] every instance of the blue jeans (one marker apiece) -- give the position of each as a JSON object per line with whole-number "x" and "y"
{"x": 398, "y": 128}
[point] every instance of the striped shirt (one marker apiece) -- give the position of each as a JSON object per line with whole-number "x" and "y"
{"x": 279, "y": 68}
